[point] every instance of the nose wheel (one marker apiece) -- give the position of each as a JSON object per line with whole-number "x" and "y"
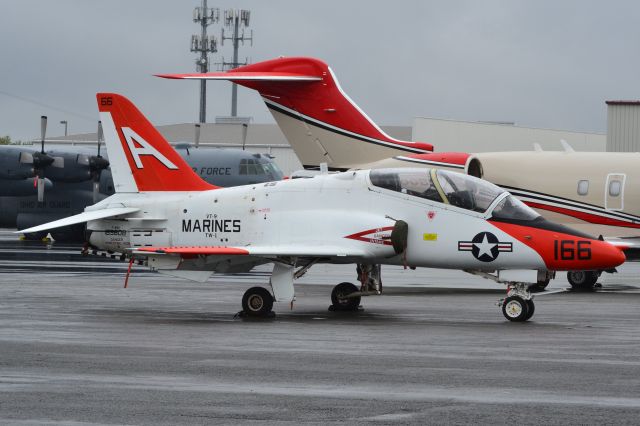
{"x": 257, "y": 302}
{"x": 518, "y": 309}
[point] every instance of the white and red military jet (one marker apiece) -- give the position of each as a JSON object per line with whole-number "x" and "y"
{"x": 188, "y": 228}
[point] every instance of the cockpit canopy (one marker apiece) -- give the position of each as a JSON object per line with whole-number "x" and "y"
{"x": 452, "y": 188}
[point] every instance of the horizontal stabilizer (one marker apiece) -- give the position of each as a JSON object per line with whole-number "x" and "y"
{"x": 246, "y": 76}
{"x": 80, "y": 218}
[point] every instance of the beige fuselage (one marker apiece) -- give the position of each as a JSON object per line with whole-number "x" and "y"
{"x": 592, "y": 191}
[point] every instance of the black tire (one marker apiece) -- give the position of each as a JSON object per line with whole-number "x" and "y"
{"x": 515, "y": 308}
{"x": 582, "y": 280}
{"x": 340, "y": 303}
{"x": 257, "y": 302}
{"x": 539, "y": 286}
{"x": 531, "y": 308}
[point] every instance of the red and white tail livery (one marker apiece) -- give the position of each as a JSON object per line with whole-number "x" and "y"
{"x": 322, "y": 124}
{"x": 141, "y": 158}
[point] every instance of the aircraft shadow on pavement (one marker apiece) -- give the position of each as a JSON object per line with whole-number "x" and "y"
{"x": 306, "y": 316}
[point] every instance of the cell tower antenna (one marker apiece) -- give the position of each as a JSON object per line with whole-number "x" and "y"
{"x": 234, "y": 19}
{"x": 204, "y": 45}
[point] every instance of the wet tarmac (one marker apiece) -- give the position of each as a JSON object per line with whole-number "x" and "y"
{"x": 75, "y": 347}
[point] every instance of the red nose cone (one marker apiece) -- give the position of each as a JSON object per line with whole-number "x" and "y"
{"x": 606, "y": 255}
{"x": 585, "y": 255}
{"x": 565, "y": 251}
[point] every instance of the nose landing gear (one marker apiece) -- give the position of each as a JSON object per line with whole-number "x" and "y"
{"x": 518, "y": 306}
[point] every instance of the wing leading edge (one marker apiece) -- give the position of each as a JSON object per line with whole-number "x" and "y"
{"x": 80, "y": 218}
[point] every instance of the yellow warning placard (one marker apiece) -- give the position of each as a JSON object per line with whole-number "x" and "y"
{"x": 430, "y": 237}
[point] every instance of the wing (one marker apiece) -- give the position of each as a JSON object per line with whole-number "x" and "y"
{"x": 183, "y": 262}
{"x": 256, "y": 251}
{"x": 80, "y": 218}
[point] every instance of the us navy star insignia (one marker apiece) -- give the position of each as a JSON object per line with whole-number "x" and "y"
{"x": 485, "y": 246}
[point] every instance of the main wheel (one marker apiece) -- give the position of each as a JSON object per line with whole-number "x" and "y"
{"x": 531, "y": 308}
{"x": 582, "y": 280}
{"x": 257, "y": 302}
{"x": 515, "y": 308}
{"x": 342, "y": 303}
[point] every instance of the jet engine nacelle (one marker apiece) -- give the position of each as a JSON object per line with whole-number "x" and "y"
{"x": 474, "y": 167}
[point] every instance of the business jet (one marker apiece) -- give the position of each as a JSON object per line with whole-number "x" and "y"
{"x": 185, "y": 227}
{"x": 593, "y": 192}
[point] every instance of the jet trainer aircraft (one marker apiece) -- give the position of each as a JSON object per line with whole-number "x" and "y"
{"x": 188, "y": 228}
{"x": 595, "y": 192}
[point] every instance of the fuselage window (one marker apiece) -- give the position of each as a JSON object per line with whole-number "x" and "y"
{"x": 583, "y": 187}
{"x": 614, "y": 188}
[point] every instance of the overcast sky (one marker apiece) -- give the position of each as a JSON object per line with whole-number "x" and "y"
{"x": 548, "y": 64}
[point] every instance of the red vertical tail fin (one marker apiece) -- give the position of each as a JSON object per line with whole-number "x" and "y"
{"x": 320, "y": 121}
{"x": 140, "y": 157}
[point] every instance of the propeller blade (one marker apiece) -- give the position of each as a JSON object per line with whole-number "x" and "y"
{"x": 96, "y": 191}
{"x": 197, "y": 135}
{"x": 40, "y": 189}
{"x": 100, "y": 136}
{"x": 245, "y": 126}
{"x": 43, "y": 130}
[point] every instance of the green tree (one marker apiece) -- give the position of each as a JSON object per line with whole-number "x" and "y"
{"x": 5, "y": 140}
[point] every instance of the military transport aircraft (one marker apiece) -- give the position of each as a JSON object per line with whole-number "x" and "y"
{"x": 74, "y": 177}
{"x": 591, "y": 191}
{"x": 188, "y": 228}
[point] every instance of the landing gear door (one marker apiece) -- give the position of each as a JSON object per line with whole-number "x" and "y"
{"x": 150, "y": 238}
{"x": 614, "y": 191}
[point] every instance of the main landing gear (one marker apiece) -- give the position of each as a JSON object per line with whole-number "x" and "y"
{"x": 347, "y": 296}
{"x": 341, "y": 299}
{"x": 257, "y": 302}
{"x": 518, "y": 305}
{"x": 583, "y": 280}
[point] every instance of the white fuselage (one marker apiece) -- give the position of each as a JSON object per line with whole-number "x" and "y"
{"x": 319, "y": 212}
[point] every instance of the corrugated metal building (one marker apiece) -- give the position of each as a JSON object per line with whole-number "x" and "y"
{"x": 623, "y": 126}
{"x": 469, "y": 136}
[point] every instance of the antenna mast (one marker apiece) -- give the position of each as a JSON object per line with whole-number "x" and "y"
{"x": 233, "y": 20}
{"x": 204, "y": 45}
